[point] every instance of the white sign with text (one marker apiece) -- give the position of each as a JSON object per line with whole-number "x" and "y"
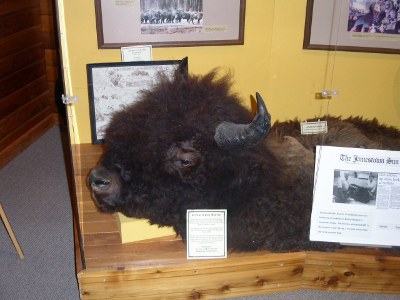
{"x": 206, "y": 233}
{"x": 356, "y": 196}
{"x": 137, "y": 53}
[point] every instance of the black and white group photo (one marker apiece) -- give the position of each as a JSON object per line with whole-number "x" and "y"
{"x": 171, "y": 17}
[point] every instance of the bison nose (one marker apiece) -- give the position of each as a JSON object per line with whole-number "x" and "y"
{"x": 99, "y": 179}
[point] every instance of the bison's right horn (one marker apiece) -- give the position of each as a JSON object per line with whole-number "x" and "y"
{"x": 230, "y": 136}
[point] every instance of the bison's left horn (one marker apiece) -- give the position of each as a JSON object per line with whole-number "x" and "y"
{"x": 230, "y": 136}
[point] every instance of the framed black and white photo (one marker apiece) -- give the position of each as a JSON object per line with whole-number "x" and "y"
{"x": 113, "y": 86}
{"x": 353, "y": 25}
{"x": 169, "y": 23}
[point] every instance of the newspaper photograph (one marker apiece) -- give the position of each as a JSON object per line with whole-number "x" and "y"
{"x": 356, "y": 196}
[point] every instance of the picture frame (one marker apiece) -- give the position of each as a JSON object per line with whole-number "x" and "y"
{"x": 183, "y": 23}
{"x": 330, "y": 25}
{"x": 113, "y": 86}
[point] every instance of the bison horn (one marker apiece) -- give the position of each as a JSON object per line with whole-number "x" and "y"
{"x": 230, "y": 136}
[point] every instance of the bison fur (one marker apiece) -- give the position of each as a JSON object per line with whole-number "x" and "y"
{"x": 161, "y": 159}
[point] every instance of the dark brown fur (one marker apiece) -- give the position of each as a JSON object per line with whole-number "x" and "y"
{"x": 161, "y": 160}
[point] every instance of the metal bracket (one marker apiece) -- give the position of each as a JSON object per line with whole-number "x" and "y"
{"x": 326, "y": 94}
{"x": 69, "y": 99}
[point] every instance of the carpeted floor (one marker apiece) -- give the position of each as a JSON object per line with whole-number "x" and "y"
{"x": 35, "y": 197}
{"x": 34, "y": 194}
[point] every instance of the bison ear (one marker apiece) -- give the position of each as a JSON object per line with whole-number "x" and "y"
{"x": 183, "y": 67}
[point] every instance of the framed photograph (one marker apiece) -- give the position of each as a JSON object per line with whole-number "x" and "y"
{"x": 113, "y": 86}
{"x": 174, "y": 23}
{"x": 353, "y": 25}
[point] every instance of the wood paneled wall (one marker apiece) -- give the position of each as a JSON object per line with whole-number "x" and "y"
{"x": 51, "y": 49}
{"x": 28, "y": 70}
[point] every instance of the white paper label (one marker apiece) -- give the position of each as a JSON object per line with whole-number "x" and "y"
{"x": 206, "y": 234}
{"x": 126, "y": 3}
{"x": 314, "y": 127}
{"x": 136, "y": 53}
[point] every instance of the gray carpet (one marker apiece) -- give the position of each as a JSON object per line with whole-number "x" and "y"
{"x": 34, "y": 194}
{"x": 35, "y": 197}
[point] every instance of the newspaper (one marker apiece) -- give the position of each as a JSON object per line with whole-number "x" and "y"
{"x": 356, "y": 196}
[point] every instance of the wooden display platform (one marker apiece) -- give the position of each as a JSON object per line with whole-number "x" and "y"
{"x": 158, "y": 268}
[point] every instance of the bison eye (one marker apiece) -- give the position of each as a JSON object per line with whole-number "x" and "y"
{"x": 182, "y": 158}
{"x": 101, "y": 182}
{"x": 124, "y": 173}
{"x": 185, "y": 162}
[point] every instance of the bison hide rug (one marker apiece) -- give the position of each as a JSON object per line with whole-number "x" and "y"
{"x": 188, "y": 143}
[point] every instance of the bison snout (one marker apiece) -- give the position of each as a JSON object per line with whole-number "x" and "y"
{"x": 105, "y": 187}
{"x": 100, "y": 179}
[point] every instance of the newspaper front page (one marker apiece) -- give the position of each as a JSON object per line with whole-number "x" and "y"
{"x": 356, "y": 196}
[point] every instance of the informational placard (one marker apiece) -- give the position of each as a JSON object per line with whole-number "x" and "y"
{"x": 356, "y": 196}
{"x": 314, "y": 127}
{"x": 137, "y": 53}
{"x": 206, "y": 234}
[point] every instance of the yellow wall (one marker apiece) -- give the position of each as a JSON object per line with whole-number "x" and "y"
{"x": 271, "y": 62}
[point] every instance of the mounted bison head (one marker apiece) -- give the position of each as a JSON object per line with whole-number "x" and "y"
{"x": 188, "y": 143}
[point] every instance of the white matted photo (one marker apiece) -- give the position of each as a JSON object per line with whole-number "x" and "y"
{"x": 169, "y": 23}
